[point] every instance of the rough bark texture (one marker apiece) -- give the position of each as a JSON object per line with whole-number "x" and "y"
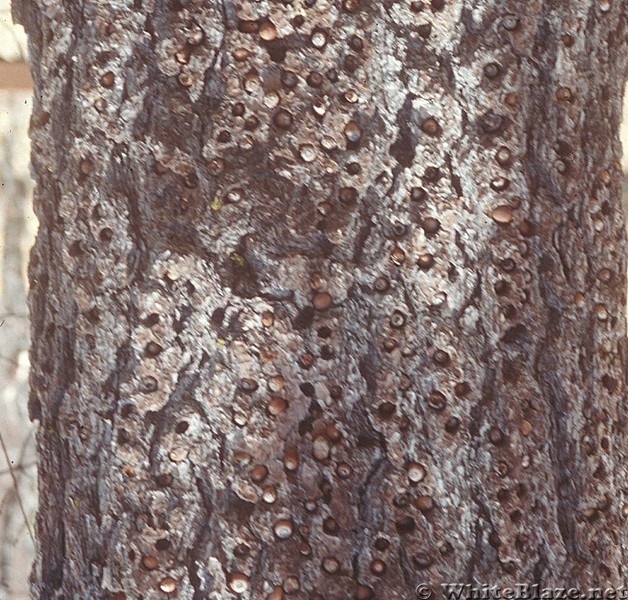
{"x": 328, "y": 297}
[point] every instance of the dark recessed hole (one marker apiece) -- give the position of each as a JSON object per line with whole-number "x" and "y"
{"x": 151, "y": 320}
{"x": 182, "y": 427}
{"x": 162, "y": 544}
{"x": 127, "y": 410}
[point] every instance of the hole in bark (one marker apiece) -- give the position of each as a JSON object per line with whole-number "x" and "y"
{"x": 322, "y": 301}
{"x": 364, "y": 592}
{"x": 511, "y": 22}
{"x": 416, "y": 472}
{"x": 269, "y": 495}
{"x": 149, "y": 384}
{"x": 422, "y": 560}
{"x": 418, "y": 194}
{"x": 327, "y": 352}
{"x": 510, "y": 312}
{"x": 492, "y": 70}
{"x": 401, "y": 500}
{"x": 378, "y": 567}
{"x": 76, "y": 249}
{"x": 605, "y": 572}
{"x": 382, "y": 544}
{"x": 351, "y": 63}
{"x": 397, "y": 320}
{"x": 426, "y": 262}
{"x": 163, "y": 480}
{"x": 609, "y": 383}
{"x": 123, "y": 437}
{"x": 324, "y": 332}
{"x": 283, "y": 529}
{"x": 168, "y": 585}
{"x": 381, "y": 284}
{"x": 492, "y": 123}
{"x": 353, "y": 133}
{"x": 259, "y": 473}
{"x": 432, "y": 174}
{"x": 248, "y": 385}
{"x": 398, "y": 256}
{"x": 318, "y": 38}
{"x": 330, "y": 526}
{"x": 307, "y": 388}
{"x": 510, "y": 372}
{"x": 437, "y": 400}
{"x": 441, "y": 358}
{"x": 499, "y": 184}
{"x": 276, "y": 406}
{"x": 496, "y": 436}
{"x": 277, "y": 50}
{"x": 424, "y": 30}
{"x": 241, "y": 551}
{"x": 151, "y": 320}
{"x": 386, "y": 410}
{"x": 353, "y": 168}
{"x": 127, "y": 410}
{"x": 182, "y": 427}
{"x": 163, "y": 544}
{"x": 515, "y": 516}
{"x": 430, "y": 225}
{"x": 291, "y": 459}
{"x": 501, "y": 287}
{"x": 344, "y": 470}
{"x": 150, "y": 563}
{"x": 348, "y": 195}
{"x": 462, "y": 388}
{"x": 405, "y": 525}
{"x": 503, "y": 495}
{"x": 152, "y": 349}
{"x": 306, "y": 360}
{"x": 390, "y": 344}
{"x": 335, "y": 391}
{"x": 430, "y": 126}
{"x": 452, "y": 425}
{"x": 93, "y": 316}
{"x": 424, "y": 503}
{"x": 105, "y": 235}
{"x": 304, "y": 318}
{"x": 356, "y": 43}
{"x": 289, "y": 79}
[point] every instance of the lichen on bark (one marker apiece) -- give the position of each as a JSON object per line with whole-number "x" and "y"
{"x": 327, "y": 297}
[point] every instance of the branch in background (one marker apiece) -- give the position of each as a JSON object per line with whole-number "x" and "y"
{"x": 17, "y": 491}
{"x": 18, "y": 468}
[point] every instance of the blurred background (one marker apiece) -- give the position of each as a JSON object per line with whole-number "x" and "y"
{"x": 18, "y": 485}
{"x": 17, "y": 230}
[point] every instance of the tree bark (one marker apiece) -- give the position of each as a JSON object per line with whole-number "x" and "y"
{"x": 327, "y": 297}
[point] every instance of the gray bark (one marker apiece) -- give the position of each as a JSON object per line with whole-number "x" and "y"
{"x": 327, "y": 297}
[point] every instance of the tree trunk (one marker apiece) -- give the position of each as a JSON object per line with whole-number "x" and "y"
{"x": 327, "y": 297}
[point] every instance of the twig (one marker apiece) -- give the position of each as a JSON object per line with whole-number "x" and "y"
{"x": 17, "y": 491}
{"x": 23, "y": 467}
